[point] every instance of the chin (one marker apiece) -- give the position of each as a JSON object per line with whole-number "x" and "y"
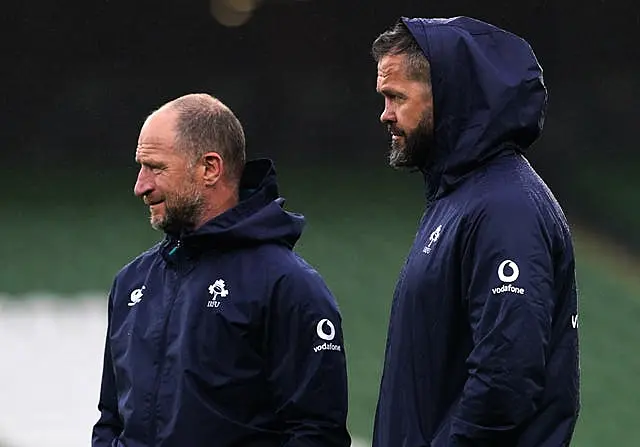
{"x": 396, "y": 157}
{"x": 157, "y": 221}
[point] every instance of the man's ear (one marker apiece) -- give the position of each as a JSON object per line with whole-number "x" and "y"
{"x": 213, "y": 168}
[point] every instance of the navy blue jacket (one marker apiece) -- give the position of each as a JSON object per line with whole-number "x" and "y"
{"x": 224, "y": 337}
{"x": 482, "y": 346}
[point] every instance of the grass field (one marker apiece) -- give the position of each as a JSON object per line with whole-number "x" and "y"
{"x": 360, "y": 227}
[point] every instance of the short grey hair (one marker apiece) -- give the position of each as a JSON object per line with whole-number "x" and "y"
{"x": 399, "y": 40}
{"x": 204, "y": 124}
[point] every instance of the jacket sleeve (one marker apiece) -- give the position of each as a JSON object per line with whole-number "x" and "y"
{"x": 307, "y": 363}
{"x": 507, "y": 276}
{"x": 108, "y": 427}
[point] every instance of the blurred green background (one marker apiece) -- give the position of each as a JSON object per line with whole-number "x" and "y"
{"x": 358, "y": 232}
{"x": 79, "y": 78}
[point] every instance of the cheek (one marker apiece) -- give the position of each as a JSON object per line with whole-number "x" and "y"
{"x": 178, "y": 189}
{"x": 167, "y": 183}
{"x": 410, "y": 117}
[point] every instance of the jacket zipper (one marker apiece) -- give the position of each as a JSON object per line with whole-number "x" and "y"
{"x": 175, "y": 248}
{"x": 163, "y": 348}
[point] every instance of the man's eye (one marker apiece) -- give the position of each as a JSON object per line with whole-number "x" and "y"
{"x": 155, "y": 169}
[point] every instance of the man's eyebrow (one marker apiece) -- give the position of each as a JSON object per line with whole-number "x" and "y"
{"x": 389, "y": 91}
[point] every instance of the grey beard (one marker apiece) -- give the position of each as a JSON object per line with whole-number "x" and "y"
{"x": 399, "y": 157}
{"x": 182, "y": 216}
{"x": 417, "y": 146}
{"x": 413, "y": 155}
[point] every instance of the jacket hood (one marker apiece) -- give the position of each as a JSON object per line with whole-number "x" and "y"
{"x": 488, "y": 95}
{"x": 258, "y": 218}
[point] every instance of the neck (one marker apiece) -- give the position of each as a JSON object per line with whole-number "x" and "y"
{"x": 213, "y": 207}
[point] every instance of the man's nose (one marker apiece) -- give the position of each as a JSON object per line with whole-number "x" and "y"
{"x": 144, "y": 183}
{"x": 388, "y": 115}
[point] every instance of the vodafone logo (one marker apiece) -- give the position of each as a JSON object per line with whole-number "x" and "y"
{"x": 508, "y": 266}
{"x": 326, "y": 331}
{"x": 322, "y": 333}
{"x": 508, "y": 272}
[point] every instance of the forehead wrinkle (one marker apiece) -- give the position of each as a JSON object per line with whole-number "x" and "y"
{"x": 146, "y": 149}
{"x": 388, "y": 68}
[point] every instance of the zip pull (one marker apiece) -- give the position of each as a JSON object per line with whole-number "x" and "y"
{"x": 174, "y": 249}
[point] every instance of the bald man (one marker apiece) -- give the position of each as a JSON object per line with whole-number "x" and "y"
{"x": 219, "y": 335}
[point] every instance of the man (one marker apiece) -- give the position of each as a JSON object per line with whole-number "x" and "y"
{"x": 482, "y": 347}
{"x": 219, "y": 336}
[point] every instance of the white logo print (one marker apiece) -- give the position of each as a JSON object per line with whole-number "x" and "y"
{"x": 508, "y": 278}
{"x": 514, "y": 269}
{"x": 324, "y": 335}
{"x": 217, "y": 289}
{"x": 328, "y": 336}
{"x": 136, "y": 296}
{"x": 432, "y": 239}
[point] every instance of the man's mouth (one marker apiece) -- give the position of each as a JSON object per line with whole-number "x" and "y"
{"x": 396, "y": 136}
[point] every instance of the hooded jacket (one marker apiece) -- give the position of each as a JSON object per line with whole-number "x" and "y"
{"x": 224, "y": 337}
{"x": 482, "y": 347}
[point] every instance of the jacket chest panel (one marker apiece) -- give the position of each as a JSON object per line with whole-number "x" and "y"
{"x": 188, "y": 320}
{"x": 429, "y": 283}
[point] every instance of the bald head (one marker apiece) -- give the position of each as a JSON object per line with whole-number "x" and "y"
{"x": 204, "y": 124}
